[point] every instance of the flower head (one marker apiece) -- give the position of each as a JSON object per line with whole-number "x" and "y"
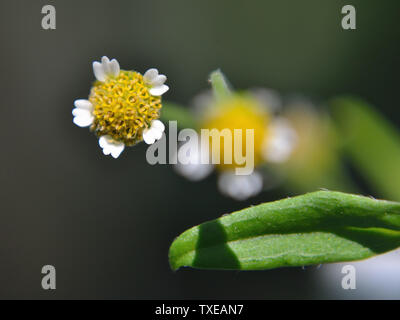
{"x": 273, "y": 142}
{"x": 123, "y": 106}
{"x": 238, "y": 112}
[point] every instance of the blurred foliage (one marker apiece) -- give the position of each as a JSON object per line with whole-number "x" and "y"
{"x": 219, "y": 84}
{"x": 372, "y": 144}
{"x": 315, "y": 162}
{"x": 174, "y": 112}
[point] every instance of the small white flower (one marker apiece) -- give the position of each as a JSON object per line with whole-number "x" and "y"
{"x": 111, "y": 146}
{"x": 156, "y": 82}
{"x": 105, "y": 68}
{"x": 154, "y": 133}
{"x": 193, "y": 169}
{"x": 83, "y": 113}
{"x": 280, "y": 142}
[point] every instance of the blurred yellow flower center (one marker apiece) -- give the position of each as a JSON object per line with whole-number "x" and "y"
{"x": 123, "y": 107}
{"x": 238, "y": 112}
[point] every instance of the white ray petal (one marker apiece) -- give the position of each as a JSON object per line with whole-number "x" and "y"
{"x": 158, "y": 125}
{"x": 82, "y": 117}
{"x": 149, "y": 75}
{"x": 148, "y": 136}
{"x": 103, "y": 141}
{"x": 81, "y": 112}
{"x": 83, "y": 104}
{"x": 157, "y": 134}
{"x": 111, "y": 146}
{"x": 280, "y": 143}
{"x": 158, "y": 80}
{"x": 114, "y": 67}
{"x": 159, "y": 90}
{"x": 240, "y": 187}
{"x": 105, "y": 63}
{"x": 117, "y": 150}
{"x": 193, "y": 169}
{"x": 98, "y": 71}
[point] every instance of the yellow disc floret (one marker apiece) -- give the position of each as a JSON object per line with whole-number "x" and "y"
{"x": 123, "y": 107}
{"x": 238, "y": 112}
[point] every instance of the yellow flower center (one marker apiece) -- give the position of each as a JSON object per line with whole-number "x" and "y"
{"x": 238, "y": 112}
{"x": 123, "y": 107}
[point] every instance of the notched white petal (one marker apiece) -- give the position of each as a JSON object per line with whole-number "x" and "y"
{"x": 117, "y": 150}
{"x": 82, "y": 118}
{"x": 104, "y": 62}
{"x": 158, "y": 125}
{"x": 98, "y": 71}
{"x": 149, "y": 75}
{"x": 114, "y": 67}
{"x": 81, "y": 112}
{"x": 103, "y": 141}
{"x": 83, "y": 104}
{"x": 111, "y": 146}
{"x": 159, "y": 90}
{"x": 148, "y": 136}
{"x": 157, "y": 134}
{"x": 105, "y": 68}
{"x": 158, "y": 80}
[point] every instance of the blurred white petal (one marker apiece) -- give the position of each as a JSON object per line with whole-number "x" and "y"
{"x": 268, "y": 98}
{"x": 194, "y": 170}
{"x": 240, "y": 187}
{"x": 280, "y": 142}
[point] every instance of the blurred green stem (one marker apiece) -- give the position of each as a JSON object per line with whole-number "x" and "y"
{"x": 219, "y": 85}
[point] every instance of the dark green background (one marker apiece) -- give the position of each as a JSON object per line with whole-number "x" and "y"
{"x": 106, "y": 224}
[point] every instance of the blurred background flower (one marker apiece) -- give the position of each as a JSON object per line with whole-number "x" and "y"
{"x": 273, "y": 137}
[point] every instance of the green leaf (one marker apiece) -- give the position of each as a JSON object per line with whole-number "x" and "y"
{"x": 175, "y": 112}
{"x": 372, "y": 143}
{"x": 314, "y": 228}
{"x": 219, "y": 85}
